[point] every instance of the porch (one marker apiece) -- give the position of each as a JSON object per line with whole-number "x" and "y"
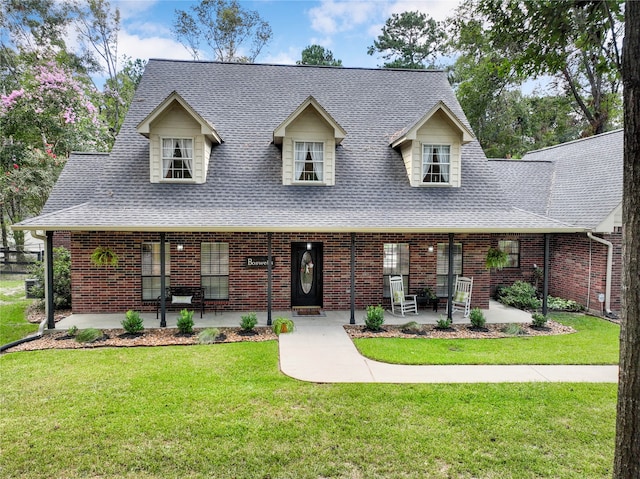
{"x": 496, "y": 313}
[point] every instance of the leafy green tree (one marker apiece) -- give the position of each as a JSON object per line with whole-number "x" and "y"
{"x": 409, "y": 40}
{"x": 118, "y": 92}
{"x": 318, "y": 55}
{"x": 576, "y": 42}
{"x": 61, "y": 278}
{"x": 225, "y": 27}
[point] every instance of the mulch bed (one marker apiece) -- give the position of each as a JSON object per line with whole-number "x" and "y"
{"x": 456, "y": 331}
{"x": 150, "y": 337}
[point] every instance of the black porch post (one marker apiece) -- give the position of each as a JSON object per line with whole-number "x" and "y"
{"x": 163, "y": 306}
{"x": 51, "y": 322}
{"x": 545, "y": 280}
{"x": 450, "y": 278}
{"x": 352, "y": 319}
{"x": 269, "y": 278}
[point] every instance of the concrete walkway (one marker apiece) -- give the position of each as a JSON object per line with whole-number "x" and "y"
{"x": 320, "y": 350}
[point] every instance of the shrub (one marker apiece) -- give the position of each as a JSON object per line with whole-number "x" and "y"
{"x": 61, "y": 278}
{"x": 248, "y": 321}
{"x": 514, "y": 329}
{"x": 443, "y": 323}
{"x": 72, "y": 331}
{"x": 560, "y": 304}
{"x": 411, "y": 328}
{"x": 374, "y": 318}
{"x": 521, "y": 295}
{"x": 185, "y": 322}
{"x": 282, "y": 325}
{"x": 538, "y": 320}
{"x": 132, "y": 323}
{"x": 477, "y": 318}
{"x": 88, "y": 335}
{"x": 208, "y": 336}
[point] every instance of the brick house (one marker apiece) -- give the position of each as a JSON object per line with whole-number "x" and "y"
{"x": 295, "y": 186}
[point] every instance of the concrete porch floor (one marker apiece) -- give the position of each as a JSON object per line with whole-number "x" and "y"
{"x": 496, "y": 313}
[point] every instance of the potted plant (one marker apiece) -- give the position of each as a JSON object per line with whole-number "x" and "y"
{"x": 282, "y": 325}
{"x": 104, "y": 256}
{"x": 496, "y": 258}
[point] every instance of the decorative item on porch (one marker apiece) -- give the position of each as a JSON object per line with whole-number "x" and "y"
{"x": 282, "y": 325}
{"x": 104, "y": 256}
{"x": 496, "y": 258}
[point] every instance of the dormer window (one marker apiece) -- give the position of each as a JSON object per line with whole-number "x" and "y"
{"x": 177, "y": 158}
{"x": 436, "y": 163}
{"x": 309, "y": 161}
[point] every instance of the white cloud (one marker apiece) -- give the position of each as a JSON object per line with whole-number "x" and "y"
{"x": 288, "y": 57}
{"x": 135, "y": 46}
{"x": 333, "y": 16}
{"x": 436, "y": 9}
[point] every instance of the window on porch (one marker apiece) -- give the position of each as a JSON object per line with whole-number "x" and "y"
{"x": 214, "y": 270}
{"x": 395, "y": 263}
{"x": 442, "y": 268}
{"x": 151, "y": 270}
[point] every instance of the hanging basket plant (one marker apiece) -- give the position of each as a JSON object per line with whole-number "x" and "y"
{"x": 102, "y": 256}
{"x": 496, "y": 258}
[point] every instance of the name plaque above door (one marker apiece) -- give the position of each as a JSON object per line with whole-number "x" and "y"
{"x": 259, "y": 262}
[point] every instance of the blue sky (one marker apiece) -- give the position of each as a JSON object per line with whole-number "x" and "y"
{"x": 346, "y": 27}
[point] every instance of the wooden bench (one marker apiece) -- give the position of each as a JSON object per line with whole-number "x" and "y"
{"x": 182, "y": 297}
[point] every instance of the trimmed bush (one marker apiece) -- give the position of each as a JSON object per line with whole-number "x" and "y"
{"x": 248, "y": 321}
{"x": 61, "y": 278}
{"x": 132, "y": 323}
{"x": 374, "y": 318}
{"x": 538, "y": 320}
{"x": 208, "y": 336}
{"x": 560, "y": 304}
{"x": 521, "y": 295}
{"x": 443, "y": 323}
{"x": 88, "y": 335}
{"x": 282, "y": 325}
{"x": 185, "y": 322}
{"x": 477, "y": 318}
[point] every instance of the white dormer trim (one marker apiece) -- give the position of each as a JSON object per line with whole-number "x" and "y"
{"x": 466, "y": 134}
{"x": 206, "y": 128}
{"x": 281, "y": 130}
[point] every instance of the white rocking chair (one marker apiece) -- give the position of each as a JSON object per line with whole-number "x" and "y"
{"x": 462, "y": 296}
{"x": 400, "y": 301}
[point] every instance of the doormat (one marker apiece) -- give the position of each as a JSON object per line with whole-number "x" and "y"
{"x": 308, "y": 312}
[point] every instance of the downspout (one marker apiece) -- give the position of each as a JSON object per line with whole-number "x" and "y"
{"x": 607, "y": 292}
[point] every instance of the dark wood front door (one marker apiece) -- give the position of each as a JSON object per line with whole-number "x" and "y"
{"x": 306, "y": 274}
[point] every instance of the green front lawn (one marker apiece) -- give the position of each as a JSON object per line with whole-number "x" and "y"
{"x": 13, "y": 306}
{"x": 596, "y": 342}
{"x": 225, "y": 411}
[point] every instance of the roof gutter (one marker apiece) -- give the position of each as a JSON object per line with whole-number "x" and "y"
{"x": 607, "y": 293}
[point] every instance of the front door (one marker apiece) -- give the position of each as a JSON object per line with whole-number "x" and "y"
{"x": 306, "y": 274}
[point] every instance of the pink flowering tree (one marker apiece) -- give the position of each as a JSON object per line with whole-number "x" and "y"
{"x": 51, "y": 114}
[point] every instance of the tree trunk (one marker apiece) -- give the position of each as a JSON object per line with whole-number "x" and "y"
{"x": 627, "y": 455}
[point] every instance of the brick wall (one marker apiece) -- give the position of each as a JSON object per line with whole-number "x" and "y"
{"x": 578, "y": 269}
{"x": 531, "y": 253}
{"x": 117, "y": 289}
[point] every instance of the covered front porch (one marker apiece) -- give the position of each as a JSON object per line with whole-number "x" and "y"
{"x": 496, "y": 313}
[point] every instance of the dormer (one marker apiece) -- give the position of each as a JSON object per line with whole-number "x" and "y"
{"x": 308, "y": 138}
{"x": 431, "y": 148}
{"x": 180, "y": 142}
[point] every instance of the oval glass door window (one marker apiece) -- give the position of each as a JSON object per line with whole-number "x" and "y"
{"x": 306, "y": 272}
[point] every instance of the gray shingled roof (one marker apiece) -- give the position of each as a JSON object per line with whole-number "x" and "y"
{"x": 579, "y": 182}
{"x": 244, "y": 190}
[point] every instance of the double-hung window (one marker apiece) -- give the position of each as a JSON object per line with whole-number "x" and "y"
{"x": 512, "y": 248}
{"x": 436, "y": 163}
{"x": 395, "y": 262}
{"x": 309, "y": 161}
{"x": 442, "y": 267}
{"x": 151, "y": 270}
{"x": 177, "y": 158}
{"x": 214, "y": 270}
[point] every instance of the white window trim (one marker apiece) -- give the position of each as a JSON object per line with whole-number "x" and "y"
{"x": 193, "y": 160}
{"x": 449, "y": 181}
{"x": 295, "y": 179}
